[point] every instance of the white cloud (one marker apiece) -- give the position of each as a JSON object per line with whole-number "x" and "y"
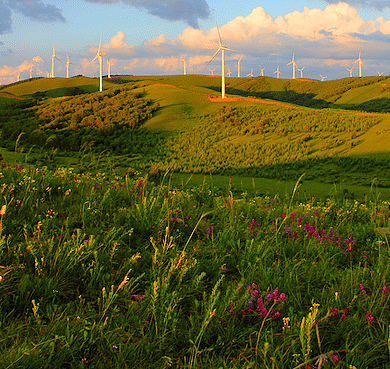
{"x": 156, "y": 41}
{"x": 132, "y": 65}
{"x": 38, "y": 59}
{"x": 168, "y": 64}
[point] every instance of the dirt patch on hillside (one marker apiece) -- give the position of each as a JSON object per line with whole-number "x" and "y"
{"x": 12, "y": 96}
{"x": 218, "y": 98}
{"x": 214, "y": 98}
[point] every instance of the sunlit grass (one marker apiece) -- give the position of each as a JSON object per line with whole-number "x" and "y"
{"x": 109, "y": 271}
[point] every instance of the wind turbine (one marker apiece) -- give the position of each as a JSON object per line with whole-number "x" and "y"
{"x": 277, "y": 72}
{"x": 18, "y": 77}
{"x": 212, "y": 71}
{"x": 322, "y": 78}
{"x": 222, "y": 49}
{"x": 294, "y": 65}
{"x": 250, "y": 74}
{"x": 31, "y": 70}
{"x": 360, "y": 64}
{"x": 52, "y": 60}
{"x": 301, "y": 70}
{"x": 229, "y": 73}
{"x": 67, "y": 65}
{"x": 184, "y": 64}
{"x": 350, "y": 71}
{"x": 100, "y": 55}
{"x": 238, "y": 65}
{"x": 109, "y": 68}
{"x": 261, "y": 71}
{"x": 380, "y": 74}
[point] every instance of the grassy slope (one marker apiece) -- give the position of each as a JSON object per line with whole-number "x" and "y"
{"x": 181, "y": 106}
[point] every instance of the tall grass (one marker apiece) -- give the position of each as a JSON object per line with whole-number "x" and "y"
{"x": 113, "y": 272}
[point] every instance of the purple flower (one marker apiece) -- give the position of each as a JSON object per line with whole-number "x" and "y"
{"x": 362, "y": 290}
{"x": 369, "y": 317}
{"x": 276, "y": 316}
{"x": 335, "y": 358}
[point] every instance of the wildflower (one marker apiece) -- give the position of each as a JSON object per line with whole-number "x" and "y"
{"x": 115, "y": 347}
{"x": 84, "y": 360}
{"x": 1, "y": 278}
{"x": 362, "y": 290}
{"x": 335, "y": 311}
{"x": 336, "y": 295}
{"x": 369, "y": 317}
{"x": 276, "y": 316}
{"x": 335, "y": 358}
{"x": 2, "y": 211}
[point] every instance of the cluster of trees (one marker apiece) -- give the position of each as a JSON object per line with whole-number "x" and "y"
{"x": 104, "y": 121}
{"x": 118, "y": 106}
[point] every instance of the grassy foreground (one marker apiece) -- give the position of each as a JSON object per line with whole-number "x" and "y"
{"x": 113, "y": 272}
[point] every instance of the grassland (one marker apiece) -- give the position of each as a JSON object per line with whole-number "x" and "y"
{"x": 270, "y": 128}
{"x": 152, "y": 226}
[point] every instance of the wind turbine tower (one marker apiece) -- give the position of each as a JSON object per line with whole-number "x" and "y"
{"x": 99, "y": 56}
{"x": 222, "y": 49}
{"x": 184, "y": 65}
{"x": 239, "y": 65}
{"x": 360, "y": 63}
{"x": 109, "y": 68}
{"x": 52, "y": 60}
{"x": 67, "y": 65}
{"x": 31, "y": 70}
{"x": 350, "y": 71}
{"x": 294, "y": 65}
{"x": 301, "y": 70}
{"x": 277, "y": 72}
{"x": 261, "y": 71}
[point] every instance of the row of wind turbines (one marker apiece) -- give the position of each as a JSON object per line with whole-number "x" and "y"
{"x": 222, "y": 49}
{"x": 99, "y": 56}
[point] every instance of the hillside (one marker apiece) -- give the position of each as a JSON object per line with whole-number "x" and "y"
{"x": 267, "y": 127}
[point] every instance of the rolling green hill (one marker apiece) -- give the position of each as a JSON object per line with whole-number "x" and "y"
{"x": 268, "y": 127}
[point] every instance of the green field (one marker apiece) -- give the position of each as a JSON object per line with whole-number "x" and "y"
{"x": 153, "y": 226}
{"x": 336, "y": 132}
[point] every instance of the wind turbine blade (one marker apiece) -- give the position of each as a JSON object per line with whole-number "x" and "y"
{"x": 212, "y": 58}
{"x": 225, "y": 48}
{"x": 100, "y": 43}
{"x": 219, "y": 36}
{"x": 94, "y": 58}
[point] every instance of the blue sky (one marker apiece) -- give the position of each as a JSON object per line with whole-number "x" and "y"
{"x": 149, "y": 37}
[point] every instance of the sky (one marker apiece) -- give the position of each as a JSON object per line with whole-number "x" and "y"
{"x": 152, "y": 37}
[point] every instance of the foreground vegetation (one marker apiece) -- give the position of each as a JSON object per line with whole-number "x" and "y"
{"x": 106, "y": 271}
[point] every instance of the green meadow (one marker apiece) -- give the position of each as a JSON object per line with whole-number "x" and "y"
{"x": 153, "y": 226}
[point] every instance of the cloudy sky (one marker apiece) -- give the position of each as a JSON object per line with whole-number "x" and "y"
{"x": 151, "y": 37}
